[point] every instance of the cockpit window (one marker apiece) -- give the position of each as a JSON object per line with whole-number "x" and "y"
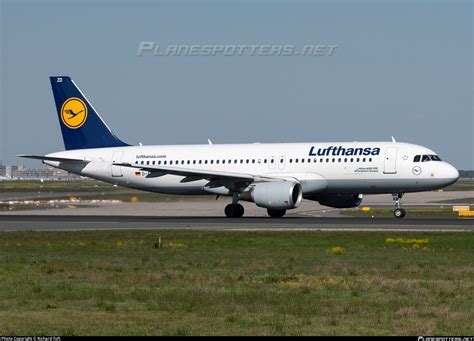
{"x": 426, "y": 158}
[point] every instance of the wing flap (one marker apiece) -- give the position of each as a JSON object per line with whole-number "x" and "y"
{"x": 193, "y": 174}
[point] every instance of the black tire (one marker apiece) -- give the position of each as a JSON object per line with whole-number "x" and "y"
{"x": 276, "y": 213}
{"x": 229, "y": 211}
{"x": 399, "y": 213}
{"x": 239, "y": 211}
{"x": 234, "y": 211}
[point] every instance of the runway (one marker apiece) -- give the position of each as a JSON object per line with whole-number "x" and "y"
{"x": 83, "y": 222}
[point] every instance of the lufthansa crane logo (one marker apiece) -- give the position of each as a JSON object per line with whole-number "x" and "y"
{"x": 416, "y": 170}
{"x": 74, "y": 113}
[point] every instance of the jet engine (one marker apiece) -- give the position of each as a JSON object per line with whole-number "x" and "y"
{"x": 277, "y": 195}
{"x": 338, "y": 200}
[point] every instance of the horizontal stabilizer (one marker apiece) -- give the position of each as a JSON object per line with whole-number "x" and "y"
{"x": 52, "y": 158}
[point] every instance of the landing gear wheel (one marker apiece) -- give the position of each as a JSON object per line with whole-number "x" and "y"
{"x": 240, "y": 210}
{"x": 276, "y": 213}
{"x": 399, "y": 213}
{"x": 234, "y": 211}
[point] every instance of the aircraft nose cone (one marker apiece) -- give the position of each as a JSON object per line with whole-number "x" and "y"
{"x": 451, "y": 174}
{"x": 454, "y": 173}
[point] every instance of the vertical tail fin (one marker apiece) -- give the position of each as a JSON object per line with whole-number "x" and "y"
{"x": 81, "y": 125}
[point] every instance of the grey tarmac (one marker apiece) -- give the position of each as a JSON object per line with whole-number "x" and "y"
{"x": 291, "y": 223}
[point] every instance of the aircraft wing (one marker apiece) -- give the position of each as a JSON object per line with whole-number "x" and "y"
{"x": 51, "y": 158}
{"x": 218, "y": 178}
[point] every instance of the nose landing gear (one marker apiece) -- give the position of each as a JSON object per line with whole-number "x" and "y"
{"x": 399, "y": 212}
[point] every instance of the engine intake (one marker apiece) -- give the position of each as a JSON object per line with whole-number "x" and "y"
{"x": 279, "y": 195}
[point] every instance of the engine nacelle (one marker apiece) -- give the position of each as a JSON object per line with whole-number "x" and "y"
{"x": 279, "y": 195}
{"x": 339, "y": 200}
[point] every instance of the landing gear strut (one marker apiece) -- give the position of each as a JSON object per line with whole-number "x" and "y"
{"x": 234, "y": 210}
{"x": 399, "y": 212}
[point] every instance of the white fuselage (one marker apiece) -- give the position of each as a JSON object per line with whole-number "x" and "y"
{"x": 376, "y": 167}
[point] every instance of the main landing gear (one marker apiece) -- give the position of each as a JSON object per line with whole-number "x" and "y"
{"x": 399, "y": 212}
{"x": 234, "y": 210}
{"x": 276, "y": 213}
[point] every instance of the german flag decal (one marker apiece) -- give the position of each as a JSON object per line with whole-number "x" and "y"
{"x": 138, "y": 173}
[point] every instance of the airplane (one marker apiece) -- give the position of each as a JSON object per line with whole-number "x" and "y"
{"x": 274, "y": 176}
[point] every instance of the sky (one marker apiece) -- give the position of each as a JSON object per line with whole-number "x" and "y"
{"x": 400, "y": 68}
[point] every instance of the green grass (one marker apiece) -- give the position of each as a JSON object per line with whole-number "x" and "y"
{"x": 412, "y": 212}
{"x": 220, "y": 283}
{"x": 18, "y": 207}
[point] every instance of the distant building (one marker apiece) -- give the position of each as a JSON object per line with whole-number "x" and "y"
{"x": 15, "y": 172}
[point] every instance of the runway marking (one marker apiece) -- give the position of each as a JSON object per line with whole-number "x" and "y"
{"x": 309, "y": 214}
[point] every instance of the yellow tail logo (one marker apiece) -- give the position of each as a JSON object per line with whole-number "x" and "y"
{"x": 74, "y": 113}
